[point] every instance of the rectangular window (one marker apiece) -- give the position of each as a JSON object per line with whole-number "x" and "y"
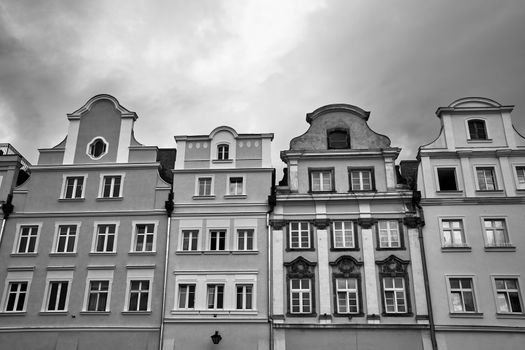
{"x": 57, "y": 296}
{"x": 300, "y": 296}
{"x": 217, "y": 240}
{"x": 244, "y": 239}
{"x": 394, "y": 294}
{"x": 138, "y": 295}
{"x": 105, "y": 240}
{"x": 347, "y": 295}
{"x": 299, "y": 235}
{"x": 111, "y": 186}
{"x": 190, "y": 240}
{"x": 453, "y": 234}
{"x": 74, "y": 187}
{"x": 144, "y": 237}
{"x": 16, "y": 296}
{"x": 215, "y": 296}
{"x": 186, "y": 296}
{"x": 508, "y": 296}
{"x": 520, "y": 176}
{"x": 462, "y": 295}
{"x": 98, "y": 296}
{"x": 204, "y": 186}
{"x": 27, "y": 239}
{"x": 66, "y": 240}
{"x": 389, "y": 235}
{"x": 486, "y": 179}
{"x": 321, "y": 180}
{"x": 447, "y": 179}
{"x": 236, "y": 186}
{"x": 343, "y": 234}
{"x": 361, "y": 180}
{"x": 496, "y": 233}
{"x": 244, "y": 296}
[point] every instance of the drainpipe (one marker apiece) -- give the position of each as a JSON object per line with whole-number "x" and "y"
{"x": 269, "y": 265}
{"x": 169, "y": 205}
{"x": 7, "y": 208}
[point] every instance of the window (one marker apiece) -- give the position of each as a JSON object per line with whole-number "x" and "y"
{"x": 245, "y": 239}
{"x": 486, "y": 179}
{"x": 105, "y": 238}
{"x": 496, "y": 233}
{"x": 190, "y": 239}
{"x": 186, "y": 296}
{"x": 97, "y": 148}
{"x": 338, "y": 139}
{"x": 508, "y": 298}
{"x": 139, "y": 295}
{"x": 223, "y": 152}
{"x": 462, "y": 295}
{"x": 453, "y": 234}
{"x": 244, "y": 296}
{"x": 144, "y": 238}
{"x": 347, "y": 295}
{"x": 27, "y": 239}
{"x": 520, "y": 177}
{"x": 361, "y": 180}
{"x": 389, "y": 234}
{"x": 447, "y": 179}
{"x": 215, "y": 296}
{"x": 66, "y": 239}
{"x": 204, "y": 185}
{"x": 236, "y": 186}
{"x": 394, "y": 294}
{"x": 299, "y": 235}
{"x": 73, "y": 187}
{"x": 217, "y": 240}
{"x": 477, "y": 129}
{"x": 111, "y": 186}
{"x": 57, "y": 295}
{"x": 343, "y": 234}
{"x": 16, "y": 297}
{"x": 98, "y": 296}
{"x": 321, "y": 180}
{"x": 301, "y": 295}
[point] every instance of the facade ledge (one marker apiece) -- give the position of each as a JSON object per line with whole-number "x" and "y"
{"x": 109, "y": 199}
{"x": 235, "y": 196}
{"x": 53, "y": 313}
{"x": 355, "y": 249}
{"x": 245, "y": 252}
{"x": 214, "y": 313}
{"x": 21, "y": 268}
{"x": 63, "y": 254}
{"x": 94, "y": 313}
{"x": 489, "y": 191}
{"x": 510, "y": 315}
{"x": 203, "y": 197}
{"x": 216, "y": 252}
{"x": 23, "y": 254}
{"x": 456, "y": 249}
{"x": 479, "y": 141}
{"x": 405, "y": 314}
{"x": 449, "y": 192}
{"x": 222, "y": 161}
{"x": 142, "y": 253}
{"x": 502, "y": 248}
{"x": 13, "y": 313}
{"x": 71, "y": 199}
{"x": 102, "y": 253}
{"x": 466, "y": 315}
{"x": 136, "y": 313}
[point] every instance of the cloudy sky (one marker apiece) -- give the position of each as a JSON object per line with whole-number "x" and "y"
{"x": 186, "y": 67}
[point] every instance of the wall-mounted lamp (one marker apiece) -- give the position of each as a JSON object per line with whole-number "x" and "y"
{"x": 216, "y": 338}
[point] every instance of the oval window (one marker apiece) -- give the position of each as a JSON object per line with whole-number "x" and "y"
{"x": 97, "y": 148}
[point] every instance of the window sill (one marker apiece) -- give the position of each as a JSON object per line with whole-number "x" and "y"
{"x": 203, "y": 197}
{"x": 102, "y": 253}
{"x": 235, "y": 196}
{"x": 23, "y": 254}
{"x": 489, "y": 191}
{"x": 466, "y": 314}
{"x": 356, "y": 249}
{"x": 12, "y": 313}
{"x": 102, "y": 199}
{"x": 300, "y": 249}
{"x": 53, "y": 313}
{"x": 312, "y": 314}
{"x": 221, "y": 161}
{"x": 138, "y": 313}
{"x": 216, "y": 252}
{"x": 71, "y": 199}
{"x": 62, "y": 254}
{"x": 142, "y": 253}
{"x": 456, "y": 249}
{"x": 390, "y": 248}
{"x": 321, "y": 192}
{"x": 400, "y": 314}
{"x": 245, "y": 252}
{"x": 449, "y": 192}
{"x": 500, "y": 248}
{"x": 94, "y": 313}
{"x": 518, "y": 315}
{"x": 349, "y": 315}
{"x": 213, "y": 312}
{"x": 189, "y": 252}
{"x": 479, "y": 140}
{"x": 362, "y": 191}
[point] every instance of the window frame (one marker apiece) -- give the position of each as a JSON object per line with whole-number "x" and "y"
{"x": 18, "y": 236}
{"x": 56, "y": 238}
{"x": 104, "y": 152}
{"x": 456, "y": 178}
{"x": 400, "y": 230}
{"x": 244, "y": 296}
{"x": 371, "y": 171}
{"x": 197, "y": 186}
{"x": 300, "y": 268}
{"x": 357, "y": 279}
{"x": 215, "y": 286}
{"x": 463, "y": 245}
{"x": 515, "y": 167}
{"x": 310, "y": 236}
{"x": 469, "y": 134}
{"x": 94, "y": 242}
{"x": 508, "y": 244}
{"x": 138, "y": 275}
{"x": 311, "y": 294}
{"x": 518, "y": 291}
{"x": 224, "y": 155}
{"x": 243, "y": 185}
{"x": 102, "y": 183}
{"x": 237, "y": 238}
{"x": 312, "y": 171}
{"x": 226, "y": 239}
{"x": 63, "y": 190}
{"x": 191, "y": 230}
{"x": 329, "y": 132}
{"x": 473, "y": 288}
{"x": 52, "y": 277}
{"x": 16, "y": 277}
{"x": 134, "y": 224}
{"x": 494, "y": 178}
{"x": 186, "y": 303}
{"x": 355, "y": 239}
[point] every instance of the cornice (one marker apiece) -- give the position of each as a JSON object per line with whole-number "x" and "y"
{"x": 104, "y": 166}
{"x": 472, "y": 201}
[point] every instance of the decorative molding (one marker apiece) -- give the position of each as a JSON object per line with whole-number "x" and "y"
{"x": 393, "y": 266}
{"x": 277, "y": 224}
{"x": 321, "y": 224}
{"x": 300, "y": 268}
{"x": 413, "y": 222}
{"x": 366, "y": 223}
{"x": 347, "y": 265}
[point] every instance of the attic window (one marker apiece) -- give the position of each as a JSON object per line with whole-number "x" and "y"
{"x": 338, "y": 139}
{"x": 97, "y": 148}
{"x": 477, "y": 129}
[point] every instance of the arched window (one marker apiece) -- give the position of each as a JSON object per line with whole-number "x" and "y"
{"x": 477, "y": 129}
{"x": 338, "y": 139}
{"x": 223, "y": 152}
{"x": 97, "y": 148}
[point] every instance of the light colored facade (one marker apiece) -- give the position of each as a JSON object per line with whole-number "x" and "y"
{"x": 218, "y": 257}
{"x": 82, "y": 257}
{"x": 472, "y": 181}
{"x": 346, "y": 263}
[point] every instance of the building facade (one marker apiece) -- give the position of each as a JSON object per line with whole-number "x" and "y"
{"x": 218, "y": 252}
{"x": 81, "y": 260}
{"x": 346, "y": 262}
{"x": 472, "y": 183}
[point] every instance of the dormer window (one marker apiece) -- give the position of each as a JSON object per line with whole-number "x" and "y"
{"x": 338, "y": 139}
{"x": 97, "y": 148}
{"x": 477, "y": 129}
{"x": 223, "y": 152}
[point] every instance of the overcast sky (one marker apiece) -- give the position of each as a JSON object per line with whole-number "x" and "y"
{"x": 186, "y": 67}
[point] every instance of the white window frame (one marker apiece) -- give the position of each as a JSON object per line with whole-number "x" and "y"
{"x": 133, "y": 247}
{"x": 254, "y": 239}
{"x": 322, "y": 176}
{"x": 472, "y": 290}
{"x": 456, "y": 176}
{"x": 16, "y": 277}
{"x": 518, "y": 291}
{"x": 347, "y": 292}
{"x": 494, "y": 173}
{"x": 243, "y": 189}
{"x": 215, "y": 285}
{"x": 395, "y": 290}
{"x": 88, "y": 146}
{"x": 94, "y": 243}
{"x": 57, "y": 276}
{"x": 344, "y": 233}
{"x": 442, "y": 232}
{"x": 64, "y": 186}
{"x": 102, "y": 183}
{"x": 389, "y": 234}
{"x": 212, "y": 185}
{"x": 519, "y": 186}
{"x": 467, "y": 130}
{"x": 301, "y": 293}
{"x": 98, "y": 275}
{"x": 56, "y": 238}
{"x": 360, "y": 173}
{"x": 244, "y": 295}
{"x": 181, "y": 240}
{"x": 138, "y": 275}
{"x": 18, "y": 237}
{"x": 493, "y": 218}
{"x": 186, "y": 301}
{"x": 220, "y": 155}
{"x": 226, "y": 239}
{"x": 299, "y": 232}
